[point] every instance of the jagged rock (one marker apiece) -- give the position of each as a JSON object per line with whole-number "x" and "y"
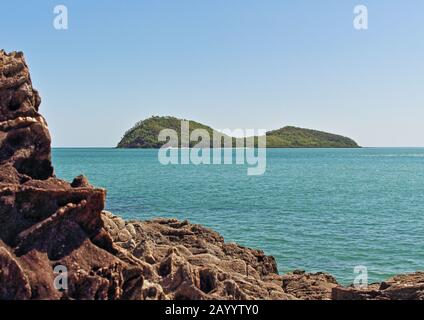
{"x": 193, "y": 262}
{"x": 14, "y": 283}
{"x": 400, "y": 287}
{"x": 81, "y": 182}
{"x": 309, "y": 286}
{"x": 44, "y": 221}
{"x": 24, "y": 137}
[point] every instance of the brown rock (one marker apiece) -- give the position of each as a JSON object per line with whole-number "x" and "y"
{"x": 24, "y": 137}
{"x": 14, "y": 283}
{"x": 309, "y": 286}
{"x": 44, "y": 221}
{"x": 193, "y": 262}
{"x": 81, "y": 182}
{"x": 401, "y": 287}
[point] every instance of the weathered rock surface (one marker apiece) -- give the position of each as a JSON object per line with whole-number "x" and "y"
{"x": 309, "y": 286}
{"x": 186, "y": 261}
{"x": 46, "y": 223}
{"x": 400, "y": 287}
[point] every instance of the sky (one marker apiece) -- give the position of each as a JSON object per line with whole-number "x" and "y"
{"x": 252, "y": 64}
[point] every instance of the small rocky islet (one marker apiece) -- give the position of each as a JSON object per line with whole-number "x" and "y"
{"x": 47, "y": 222}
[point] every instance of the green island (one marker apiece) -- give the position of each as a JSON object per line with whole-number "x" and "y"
{"x": 145, "y": 133}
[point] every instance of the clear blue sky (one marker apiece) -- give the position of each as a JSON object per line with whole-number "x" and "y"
{"x": 227, "y": 63}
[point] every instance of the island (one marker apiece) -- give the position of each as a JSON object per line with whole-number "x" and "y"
{"x": 145, "y": 133}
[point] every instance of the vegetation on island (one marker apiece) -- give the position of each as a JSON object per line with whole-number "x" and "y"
{"x": 145, "y": 133}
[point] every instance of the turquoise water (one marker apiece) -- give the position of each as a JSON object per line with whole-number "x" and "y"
{"x": 314, "y": 209}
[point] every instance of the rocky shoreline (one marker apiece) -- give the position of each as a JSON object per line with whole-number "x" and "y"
{"x": 46, "y": 222}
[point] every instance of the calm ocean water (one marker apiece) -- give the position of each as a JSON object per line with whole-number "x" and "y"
{"x": 314, "y": 209}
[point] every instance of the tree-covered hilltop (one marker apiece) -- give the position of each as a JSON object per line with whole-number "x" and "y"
{"x": 293, "y": 137}
{"x": 145, "y": 134}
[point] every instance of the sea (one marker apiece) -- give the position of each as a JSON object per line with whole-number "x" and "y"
{"x": 348, "y": 212}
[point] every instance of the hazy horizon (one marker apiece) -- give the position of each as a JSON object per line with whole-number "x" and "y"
{"x": 239, "y": 64}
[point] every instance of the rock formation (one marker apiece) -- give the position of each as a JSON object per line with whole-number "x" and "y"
{"x": 185, "y": 261}
{"x": 46, "y": 223}
{"x": 400, "y": 287}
